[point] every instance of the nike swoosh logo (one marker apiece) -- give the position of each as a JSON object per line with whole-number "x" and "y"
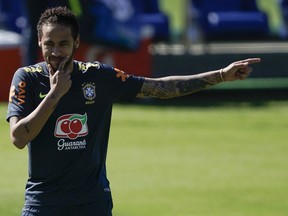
{"x": 41, "y": 95}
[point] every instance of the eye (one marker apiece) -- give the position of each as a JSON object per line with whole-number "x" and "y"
{"x": 64, "y": 44}
{"x": 48, "y": 44}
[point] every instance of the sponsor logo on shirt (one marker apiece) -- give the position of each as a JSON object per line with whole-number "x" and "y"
{"x": 42, "y": 95}
{"x": 71, "y": 145}
{"x": 121, "y": 74}
{"x": 19, "y": 95}
{"x": 71, "y": 126}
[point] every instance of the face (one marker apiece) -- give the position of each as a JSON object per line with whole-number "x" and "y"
{"x": 56, "y": 43}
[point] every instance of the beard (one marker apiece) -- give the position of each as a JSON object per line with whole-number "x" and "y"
{"x": 70, "y": 59}
{"x": 56, "y": 61}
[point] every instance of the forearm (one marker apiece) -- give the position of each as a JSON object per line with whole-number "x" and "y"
{"x": 26, "y": 129}
{"x": 175, "y": 86}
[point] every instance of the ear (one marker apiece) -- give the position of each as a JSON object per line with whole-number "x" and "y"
{"x": 39, "y": 43}
{"x": 77, "y": 42}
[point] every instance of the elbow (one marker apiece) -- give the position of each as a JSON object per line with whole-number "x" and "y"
{"x": 20, "y": 146}
{"x": 18, "y": 138}
{"x": 18, "y": 143}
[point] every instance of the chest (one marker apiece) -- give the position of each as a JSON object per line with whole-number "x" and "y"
{"x": 84, "y": 93}
{"x": 84, "y": 108}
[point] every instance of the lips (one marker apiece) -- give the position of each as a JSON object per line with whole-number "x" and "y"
{"x": 55, "y": 60}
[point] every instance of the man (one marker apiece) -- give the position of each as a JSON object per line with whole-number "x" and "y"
{"x": 61, "y": 108}
{"x": 34, "y": 9}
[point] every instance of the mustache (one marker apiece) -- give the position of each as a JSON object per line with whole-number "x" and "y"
{"x": 59, "y": 59}
{"x": 52, "y": 58}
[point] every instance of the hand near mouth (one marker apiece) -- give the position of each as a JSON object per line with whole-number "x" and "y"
{"x": 57, "y": 63}
{"x": 60, "y": 81}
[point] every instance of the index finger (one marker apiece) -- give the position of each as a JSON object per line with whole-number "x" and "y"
{"x": 250, "y": 60}
{"x": 62, "y": 64}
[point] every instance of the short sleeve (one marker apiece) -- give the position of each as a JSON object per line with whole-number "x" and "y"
{"x": 20, "y": 96}
{"x": 120, "y": 85}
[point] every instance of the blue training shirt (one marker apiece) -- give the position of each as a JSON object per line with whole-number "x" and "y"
{"x": 67, "y": 159}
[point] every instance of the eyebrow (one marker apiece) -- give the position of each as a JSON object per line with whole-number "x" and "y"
{"x": 60, "y": 42}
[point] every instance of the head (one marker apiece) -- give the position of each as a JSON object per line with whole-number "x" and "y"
{"x": 58, "y": 35}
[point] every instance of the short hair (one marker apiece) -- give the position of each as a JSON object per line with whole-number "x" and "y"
{"x": 59, "y": 15}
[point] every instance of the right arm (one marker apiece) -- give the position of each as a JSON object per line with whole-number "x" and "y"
{"x": 175, "y": 86}
{"x": 23, "y": 130}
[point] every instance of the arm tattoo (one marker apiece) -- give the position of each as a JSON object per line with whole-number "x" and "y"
{"x": 170, "y": 87}
{"x": 157, "y": 89}
{"x": 27, "y": 128}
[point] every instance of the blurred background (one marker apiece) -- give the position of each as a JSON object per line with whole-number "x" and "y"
{"x": 155, "y": 38}
{"x": 222, "y": 151}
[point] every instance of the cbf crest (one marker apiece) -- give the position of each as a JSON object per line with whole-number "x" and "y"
{"x": 89, "y": 92}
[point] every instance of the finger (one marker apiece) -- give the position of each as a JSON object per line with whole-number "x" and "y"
{"x": 243, "y": 73}
{"x": 253, "y": 60}
{"x": 250, "y": 60}
{"x": 50, "y": 70}
{"x": 244, "y": 64}
{"x": 242, "y": 76}
{"x": 240, "y": 65}
{"x": 62, "y": 64}
{"x": 246, "y": 70}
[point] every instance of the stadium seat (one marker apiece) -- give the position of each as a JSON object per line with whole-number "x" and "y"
{"x": 149, "y": 14}
{"x": 283, "y": 5}
{"x": 12, "y": 15}
{"x": 229, "y": 19}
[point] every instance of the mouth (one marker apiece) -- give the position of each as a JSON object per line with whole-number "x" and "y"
{"x": 55, "y": 61}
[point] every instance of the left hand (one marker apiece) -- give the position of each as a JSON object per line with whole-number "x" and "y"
{"x": 239, "y": 70}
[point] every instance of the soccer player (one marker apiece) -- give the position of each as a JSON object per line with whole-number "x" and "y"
{"x": 61, "y": 109}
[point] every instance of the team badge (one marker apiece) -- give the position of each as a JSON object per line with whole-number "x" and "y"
{"x": 89, "y": 92}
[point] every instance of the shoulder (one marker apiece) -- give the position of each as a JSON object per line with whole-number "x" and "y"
{"x": 32, "y": 70}
{"x": 86, "y": 67}
{"x": 100, "y": 69}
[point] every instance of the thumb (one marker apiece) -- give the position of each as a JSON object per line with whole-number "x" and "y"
{"x": 241, "y": 65}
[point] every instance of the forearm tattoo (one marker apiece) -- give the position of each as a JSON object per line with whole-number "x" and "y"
{"x": 27, "y": 128}
{"x": 170, "y": 87}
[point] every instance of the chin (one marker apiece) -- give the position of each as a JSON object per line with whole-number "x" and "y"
{"x": 54, "y": 66}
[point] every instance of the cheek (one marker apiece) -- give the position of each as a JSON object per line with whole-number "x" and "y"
{"x": 45, "y": 50}
{"x": 69, "y": 51}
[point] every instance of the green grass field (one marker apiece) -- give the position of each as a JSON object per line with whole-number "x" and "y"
{"x": 224, "y": 160}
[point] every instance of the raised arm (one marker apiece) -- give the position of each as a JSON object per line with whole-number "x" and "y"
{"x": 175, "y": 86}
{"x": 23, "y": 130}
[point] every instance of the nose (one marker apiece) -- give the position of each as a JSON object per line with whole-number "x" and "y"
{"x": 56, "y": 51}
